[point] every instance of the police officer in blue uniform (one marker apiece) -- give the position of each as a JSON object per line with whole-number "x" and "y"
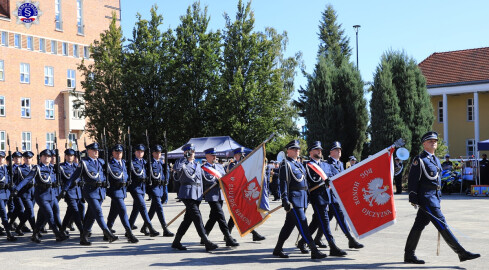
{"x": 118, "y": 177}
{"x": 44, "y": 179}
{"x": 189, "y": 174}
{"x": 26, "y": 194}
{"x": 294, "y": 189}
{"x": 424, "y": 184}
{"x": 319, "y": 198}
{"x": 5, "y": 185}
{"x": 238, "y": 155}
{"x": 158, "y": 190}
{"x": 336, "y": 166}
{"x": 90, "y": 171}
{"x": 16, "y": 207}
{"x": 76, "y": 209}
{"x": 214, "y": 197}
{"x": 137, "y": 188}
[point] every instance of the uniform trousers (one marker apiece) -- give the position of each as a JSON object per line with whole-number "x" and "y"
{"x": 192, "y": 214}
{"x": 74, "y": 212}
{"x": 94, "y": 212}
{"x": 118, "y": 207}
{"x": 320, "y": 219}
{"x": 296, "y": 217}
{"x": 216, "y": 215}
{"x": 139, "y": 206}
{"x": 157, "y": 207}
{"x": 28, "y": 211}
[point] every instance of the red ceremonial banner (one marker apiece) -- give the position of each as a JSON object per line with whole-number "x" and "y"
{"x": 243, "y": 190}
{"x": 364, "y": 192}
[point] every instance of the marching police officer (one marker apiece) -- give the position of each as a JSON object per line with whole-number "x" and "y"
{"x": 398, "y": 175}
{"x": 158, "y": 189}
{"x": 91, "y": 173}
{"x": 5, "y": 185}
{"x": 44, "y": 179}
{"x": 238, "y": 155}
{"x": 189, "y": 174}
{"x": 138, "y": 188}
{"x": 294, "y": 200}
{"x": 336, "y": 166}
{"x": 15, "y": 205}
{"x": 211, "y": 173}
{"x": 26, "y": 194}
{"x": 424, "y": 191}
{"x": 76, "y": 209}
{"x": 316, "y": 169}
{"x": 117, "y": 191}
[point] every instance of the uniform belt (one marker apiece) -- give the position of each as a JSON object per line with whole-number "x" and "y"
{"x": 44, "y": 185}
{"x": 431, "y": 187}
{"x": 121, "y": 184}
{"x": 193, "y": 184}
{"x": 96, "y": 184}
{"x": 297, "y": 188}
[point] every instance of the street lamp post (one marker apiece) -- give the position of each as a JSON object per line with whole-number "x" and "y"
{"x": 356, "y": 31}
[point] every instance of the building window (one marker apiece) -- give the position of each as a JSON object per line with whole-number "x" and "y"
{"x": 470, "y": 146}
{"x": 2, "y": 71}
{"x": 72, "y": 141}
{"x": 2, "y": 106}
{"x": 30, "y": 43}
{"x": 440, "y": 111}
{"x": 24, "y": 73}
{"x": 25, "y": 107}
{"x": 470, "y": 109}
{"x": 57, "y": 15}
{"x": 71, "y": 78}
{"x": 42, "y": 45}
{"x": 86, "y": 52}
{"x": 49, "y": 76}
{"x": 50, "y": 140}
{"x": 78, "y": 113}
{"x": 54, "y": 47}
{"x": 5, "y": 39}
{"x": 26, "y": 141}
{"x": 49, "y": 109}
{"x": 75, "y": 51}
{"x": 79, "y": 16}
{"x": 2, "y": 140}
{"x": 65, "y": 48}
{"x": 17, "y": 41}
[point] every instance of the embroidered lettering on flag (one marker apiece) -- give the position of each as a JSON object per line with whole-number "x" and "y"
{"x": 317, "y": 169}
{"x": 364, "y": 192}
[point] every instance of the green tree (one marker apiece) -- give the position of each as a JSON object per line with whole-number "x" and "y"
{"x": 386, "y": 122}
{"x": 256, "y": 82}
{"x": 333, "y": 42}
{"x": 102, "y": 83}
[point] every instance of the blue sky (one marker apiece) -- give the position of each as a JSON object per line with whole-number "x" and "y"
{"x": 419, "y": 28}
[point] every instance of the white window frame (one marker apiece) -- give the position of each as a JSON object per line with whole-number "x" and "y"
{"x": 30, "y": 43}
{"x": 76, "y": 51}
{"x": 4, "y": 39}
{"x": 3, "y": 144}
{"x": 17, "y": 41}
{"x": 25, "y": 107}
{"x": 79, "y": 17}
{"x": 440, "y": 111}
{"x": 71, "y": 80}
{"x": 2, "y": 70}
{"x": 64, "y": 49}
{"x": 2, "y": 106}
{"x": 86, "y": 52}
{"x": 71, "y": 140}
{"x": 54, "y": 47}
{"x": 26, "y": 141}
{"x": 42, "y": 45}
{"x": 48, "y": 76}
{"x": 50, "y": 140}
{"x": 58, "y": 18}
{"x": 25, "y": 73}
{"x": 49, "y": 112}
{"x": 78, "y": 113}
{"x": 470, "y": 147}
{"x": 470, "y": 109}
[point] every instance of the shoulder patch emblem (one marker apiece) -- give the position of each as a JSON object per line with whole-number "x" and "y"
{"x": 415, "y": 162}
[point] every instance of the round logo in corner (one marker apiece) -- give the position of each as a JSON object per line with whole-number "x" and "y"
{"x": 27, "y": 13}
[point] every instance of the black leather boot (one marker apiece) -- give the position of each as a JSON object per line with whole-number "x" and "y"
{"x": 411, "y": 244}
{"x": 452, "y": 242}
{"x": 110, "y": 236}
{"x": 60, "y": 236}
{"x": 130, "y": 237}
{"x": 278, "y": 250}
{"x": 352, "y": 242}
{"x": 35, "y": 236}
{"x": 318, "y": 241}
{"x": 257, "y": 236}
{"x": 166, "y": 232}
{"x": 334, "y": 250}
{"x": 176, "y": 243}
{"x": 84, "y": 239}
{"x": 315, "y": 253}
{"x": 209, "y": 246}
{"x": 303, "y": 246}
{"x": 152, "y": 231}
{"x": 230, "y": 242}
{"x": 10, "y": 237}
{"x": 144, "y": 230}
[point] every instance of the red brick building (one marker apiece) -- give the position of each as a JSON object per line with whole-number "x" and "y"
{"x": 38, "y": 69}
